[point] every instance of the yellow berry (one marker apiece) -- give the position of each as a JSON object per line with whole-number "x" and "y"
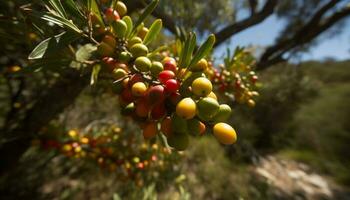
{"x": 224, "y": 133}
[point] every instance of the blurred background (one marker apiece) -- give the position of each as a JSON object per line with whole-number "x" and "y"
{"x": 294, "y": 144}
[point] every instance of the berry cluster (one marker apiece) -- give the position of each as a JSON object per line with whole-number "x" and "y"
{"x": 158, "y": 93}
{"x": 111, "y": 149}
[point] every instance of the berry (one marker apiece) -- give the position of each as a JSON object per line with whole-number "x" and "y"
{"x": 119, "y": 28}
{"x": 111, "y": 15}
{"x": 170, "y": 65}
{"x": 207, "y": 108}
{"x": 119, "y": 73}
{"x": 158, "y": 111}
{"x": 200, "y": 66}
{"x": 179, "y": 141}
{"x": 186, "y": 108}
{"x": 139, "y": 89}
{"x": 138, "y": 50}
{"x": 134, "y": 40}
{"x": 212, "y": 95}
{"x": 201, "y": 86}
{"x": 165, "y": 75}
{"x": 110, "y": 41}
{"x": 142, "y": 108}
{"x": 124, "y": 57}
{"x": 156, "y": 94}
{"x": 166, "y": 126}
{"x": 104, "y": 49}
{"x": 150, "y": 130}
{"x": 143, "y": 64}
{"x": 121, "y": 8}
{"x": 172, "y": 85}
{"x": 223, "y": 113}
{"x": 143, "y": 32}
{"x": 156, "y": 68}
{"x": 224, "y": 133}
{"x": 134, "y": 79}
{"x": 126, "y": 96}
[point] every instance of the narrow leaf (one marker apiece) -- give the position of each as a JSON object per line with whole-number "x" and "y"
{"x": 129, "y": 24}
{"x": 149, "y": 9}
{"x": 94, "y": 8}
{"x": 153, "y": 32}
{"x": 57, "y": 6}
{"x": 52, "y": 45}
{"x": 60, "y": 21}
{"x": 203, "y": 50}
{"x": 73, "y": 9}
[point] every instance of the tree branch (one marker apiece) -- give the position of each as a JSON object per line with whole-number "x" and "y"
{"x": 312, "y": 29}
{"x": 254, "y": 19}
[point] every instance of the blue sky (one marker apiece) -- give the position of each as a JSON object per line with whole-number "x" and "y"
{"x": 265, "y": 33}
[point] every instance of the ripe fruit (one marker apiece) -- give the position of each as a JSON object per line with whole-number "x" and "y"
{"x": 126, "y": 96}
{"x": 212, "y": 95}
{"x": 207, "y": 108}
{"x": 172, "y": 85}
{"x": 158, "y": 111}
{"x": 175, "y": 98}
{"x": 223, "y": 113}
{"x": 121, "y": 8}
{"x": 201, "y": 86}
{"x": 165, "y": 75}
{"x": 166, "y": 126}
{"x": 150, "y": 130}
{"x": 196, "y": 127}
{"x": 111, "y": 15}
{"x": 138, "y": 50}
{"x": 104, "y": 49}
{"x": 119, "y": 28}
{"x": 143, "y": 32}
{"x": 139, "y": 89}
{"x": 156, "y": 94}
{"x": 143, "y": 64}
{"x": 179, "y": 141}
{"x": 200, "y": 66}
{"x": 224, "y": 133}
{"x": 110, "y": 41}
{"x": 142, "y": 108}
{"x": 156, "y": 68}
{"x": 170, "y": 65}
{"x": 251, "y": 103}
{"x": 134, "y": 79}
{"x": 186, "y": 108}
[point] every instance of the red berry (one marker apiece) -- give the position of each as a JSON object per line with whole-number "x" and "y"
{"x": 158, "y": 111}
{"x": 175, "y": 98}
{"x": 254, "y": 79}
{"x": 111, "y": 15}
{"x": 165, "y": 75}
{"x": 127, "y": 96}
{"x": 172, "y": 85}
{"x": 156, "y": 94}
{"x": 170, "y": 65}
{"x": 134, "y": 79}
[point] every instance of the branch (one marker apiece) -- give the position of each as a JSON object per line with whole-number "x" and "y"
{"x": 254, "y": 19}
{"x": 252, "y": 6}
{"x": 312, "y": 29}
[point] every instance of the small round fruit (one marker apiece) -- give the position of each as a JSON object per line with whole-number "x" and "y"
{"x": 121, "y": 8}
{"x": 119, "y": 73}
{"x": 129, "y": 109}
{"x": 138, "y": 50}
{"x": 175, "y": 98}
{"x": 179, "y": 124}
{"x": 156, "y": 94}
{"x": 170, "y": 65}
{"x": 142, "y": 108}
{"x": 134, "y": 79}
{"x": 139, "y": 89}
{"x": 166, "y": 126}
{"x": 212, "y": 95}
{"x": 143, "y": 64}
{"x": 194, "y": 127}
{"x": 200, "y": 66}
{"x": 158, "y": 111}
{"x": 134, "y": 40}
{"x": 104, "y": 49}
{"x": 143, "y": 32}
{"x": 186, "y": 108}
{"x": 110, "y": 41}
{"x": 207, "y": 108}
{"x": 120, "y": 28}
{"x": 156, "y": 68}
{"x": 111, "y": 15}
{"x": 201, "y": 86}
{"x": 165, "y": 75}
{"x": 223, "y": 113}
{"x": 126, "y": 96}
{"x": 150, "y": 130}
{"x": 251, "y": 103}
{"x": 179, "y": 141}
{"x": 224, "y": 133}
{"x": 124, "y": 57}
{"x": 172, "y": 85}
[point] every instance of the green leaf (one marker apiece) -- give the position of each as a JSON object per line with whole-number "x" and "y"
{"x": 57, "y": 6}
{"x": 85, "y": 52}
{"x": 94, "y": 8}
{"x": 129, "y": 24}
{"x": 53, "y": 45}
{"x": 187, "y": 50}
{"x": 149, "y": 9}
{"x": 60, "y": 21}
{"x": 45, "y": 64}
{"x": 73, "y": 9}
{"x": 153, "y": 32}
{"x": 155, "y": 52}
{"x": 94, "y": 74}
{"x": 203, "y": 50}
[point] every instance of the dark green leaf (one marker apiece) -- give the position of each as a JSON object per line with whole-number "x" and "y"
{"x": 60, "y": 21}
{"x": 73, "y": 9}
{"x": 94, "y": 74}
{"x": 52, "y": 45}
{"x": 203, "y": 50}
{"x": 57, "y": 6}
{"x": 94, "y": 8}
{"x": 153, "y": 32}
{"x": 149, "y": 9}
{"x": 187, "y": 50}
{"x": 45, "y": 64}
